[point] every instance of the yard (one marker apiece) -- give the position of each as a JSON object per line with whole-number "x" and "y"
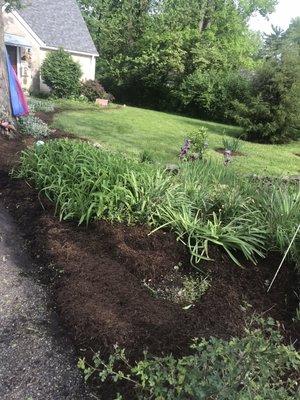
{"x": 135, "y": 256}
{"x": 149, "y": 255}
{"x": 132, "y": 130}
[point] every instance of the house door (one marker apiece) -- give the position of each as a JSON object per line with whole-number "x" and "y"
{"x": 13, "y": 56}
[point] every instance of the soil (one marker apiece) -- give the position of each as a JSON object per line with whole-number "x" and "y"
{"x": 30, "y": 332}
{"x": 96, "y": 277}
{"x": 233, "y": 153}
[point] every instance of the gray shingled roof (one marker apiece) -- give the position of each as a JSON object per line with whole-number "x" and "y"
{"x": 58, "y": 23}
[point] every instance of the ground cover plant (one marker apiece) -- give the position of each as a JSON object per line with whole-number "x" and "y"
{"x": 39, "y": 105}
{"x": 132, "y": 130}
{"x": 205, "y": 204}
{"x": 257, "y": 366}
{"x": 34, "y": 126}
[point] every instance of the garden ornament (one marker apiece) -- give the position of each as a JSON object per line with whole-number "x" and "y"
{"x": 227, "y": 157}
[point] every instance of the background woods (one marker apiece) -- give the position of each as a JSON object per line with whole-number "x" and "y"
{"x": 198, "y": 56}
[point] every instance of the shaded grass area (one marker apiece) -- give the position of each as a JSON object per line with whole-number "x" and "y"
{"x": 131, "y": 130}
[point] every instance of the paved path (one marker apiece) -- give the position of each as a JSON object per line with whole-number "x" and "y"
{"x": 36, "y": 359}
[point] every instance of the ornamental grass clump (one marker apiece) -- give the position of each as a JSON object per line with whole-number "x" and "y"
{"x": 232, "y": 144}
{"x": 204, "y": 205}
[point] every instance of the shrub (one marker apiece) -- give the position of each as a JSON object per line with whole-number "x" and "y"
{"x": 272, "y": 113}
{"x": 33, "y": 126}
{"x": 256, "y": 366}
{"x": 93, "y": 90}
{"x": 199, "y": 141}
{"x": 36, "y": 105}
{"x": 61, "y": 73}
{"x": 232, "y": 144}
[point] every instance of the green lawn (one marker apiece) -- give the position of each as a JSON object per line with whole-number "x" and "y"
{"x": 131, "y": 130}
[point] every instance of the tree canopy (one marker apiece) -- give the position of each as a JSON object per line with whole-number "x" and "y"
{"x": 183, "y": 55}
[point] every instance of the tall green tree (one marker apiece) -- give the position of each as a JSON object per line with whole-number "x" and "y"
{"x": 174, "y": 53}
{"x": 271, "y": 114}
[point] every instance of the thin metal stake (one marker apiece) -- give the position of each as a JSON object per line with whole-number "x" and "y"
{"x": 284, "y": 257}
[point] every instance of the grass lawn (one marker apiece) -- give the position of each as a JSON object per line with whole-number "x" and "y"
{"x": 131, "y": 130}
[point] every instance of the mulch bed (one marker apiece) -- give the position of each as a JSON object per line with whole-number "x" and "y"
{"x": 233, "y": 153}
{"x": 96, "y": 276}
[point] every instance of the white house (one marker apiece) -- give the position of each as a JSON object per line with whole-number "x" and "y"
{"x": 42, "y": 26}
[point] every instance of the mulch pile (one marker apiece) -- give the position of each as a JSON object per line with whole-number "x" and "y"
{"x": 97, "y": 272}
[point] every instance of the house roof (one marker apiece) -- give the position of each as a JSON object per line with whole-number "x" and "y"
{"x": 58, "y": 23}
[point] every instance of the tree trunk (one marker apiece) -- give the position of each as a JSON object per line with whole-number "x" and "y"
{"x": 4, "y": 92}
{"x": 206, "y": 15}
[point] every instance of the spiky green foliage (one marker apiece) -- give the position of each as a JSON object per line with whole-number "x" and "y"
{"x": 205, "y": 204}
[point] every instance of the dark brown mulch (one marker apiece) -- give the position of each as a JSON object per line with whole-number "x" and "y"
{"x": 96, "y": 275}
{"x": 233, "y": 153}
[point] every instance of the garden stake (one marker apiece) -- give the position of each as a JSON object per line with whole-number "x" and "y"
{"x": 284, "y": 257}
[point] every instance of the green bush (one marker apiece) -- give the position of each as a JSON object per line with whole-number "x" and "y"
{"x": 33, "y": 126}
{"x": 256, "y": 366}
{"x": 272, "y": 113}
{"x": 199, "y": 141}
{"x": 209, "y": 92}
{"x": 93, "y": 90}
{"x": 61, "y": 73}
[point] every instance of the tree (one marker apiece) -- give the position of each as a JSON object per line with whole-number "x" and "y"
{"x": 175, "y": 54}
{"x": 271, "y": 115}
{"x": 4, "y": 91}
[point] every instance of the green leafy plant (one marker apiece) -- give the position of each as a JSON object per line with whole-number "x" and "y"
{"x": 194, "y": 287}
{"x": 256, "y": 366}
{"x": 146, "y": 156}
{"x": 184, "y": 290}
{"x": 33, "y": 126}
{"x": 280, "y": 210}
{"x": 199, "y": 141}
{"x": 38, "y": 105}
{"x": 232, "y": 144}
{"x": 61, "y": 73}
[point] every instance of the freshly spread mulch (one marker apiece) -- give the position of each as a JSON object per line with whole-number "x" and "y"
{"x": 96, "y": 276}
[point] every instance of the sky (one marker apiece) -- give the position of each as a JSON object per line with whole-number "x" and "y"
{"x": 285, "y": 11}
